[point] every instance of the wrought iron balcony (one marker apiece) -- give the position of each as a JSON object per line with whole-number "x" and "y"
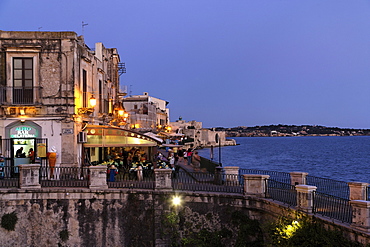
{"x": 19, "y": 95}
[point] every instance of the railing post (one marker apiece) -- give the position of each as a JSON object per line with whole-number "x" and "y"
{"x": 298, "y": 178}
{"x": 358, "y": 190}
{"x": 255, "y": 184}
{"x": 305, "y": 197}
{"x": 29, "y": 176}
{"x": 361, "y": 215}
{"x": 231, "y": 175}
{"x": 98, "y": 177}
{"x": 218, "y": 175}
{"x": 163, "y": 179}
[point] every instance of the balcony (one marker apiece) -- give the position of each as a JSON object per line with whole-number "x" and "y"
{"x": 19, "y": 95}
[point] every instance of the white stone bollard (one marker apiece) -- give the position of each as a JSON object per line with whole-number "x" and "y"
{"x": 163, "y": 179}
{"x": 297, "y": 178}
{"x": 255, "y": 184}
{"x": 305, "y": 197}
{"x": 361, "y": 215}
{"x": 98, "y": 177}
{"x": 29, "y": 176}
{"x": 357, "y": 190}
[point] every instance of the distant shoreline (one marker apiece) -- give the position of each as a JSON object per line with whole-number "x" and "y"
{"x": 292, "y": 130}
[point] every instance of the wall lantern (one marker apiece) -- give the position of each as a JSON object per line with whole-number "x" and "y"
{"x": 92, "y": 101}
{"x": 88, "y": 110}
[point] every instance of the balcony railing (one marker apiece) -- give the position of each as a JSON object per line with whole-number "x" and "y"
{"x": 19, "y": 95}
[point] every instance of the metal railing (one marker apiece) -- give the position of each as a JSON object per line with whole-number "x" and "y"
{"x": 283, "y": 177}
{"x": 19, "y": 95}
{"x": 199, "y": 181}
{"x": 329, "y": 186}
{"x": 9, "y": 177}
{"x": 132, "y": 179}
{"x": 64, "y": 176}
{"x": 332, "y": 207}
{"x": 282, "y": 192}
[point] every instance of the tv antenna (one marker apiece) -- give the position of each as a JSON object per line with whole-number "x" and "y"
{"x": 83, "y": 27}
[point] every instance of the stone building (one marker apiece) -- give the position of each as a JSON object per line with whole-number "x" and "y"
{"x": 147, "y": 113}
{"x": 201, "y": 137}
{"x": 53, "y": 90}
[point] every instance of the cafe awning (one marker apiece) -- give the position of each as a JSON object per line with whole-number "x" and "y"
{"x": 108, "y": 136}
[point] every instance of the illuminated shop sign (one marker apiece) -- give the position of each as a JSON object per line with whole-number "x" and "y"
{"x": 23, "y": 132}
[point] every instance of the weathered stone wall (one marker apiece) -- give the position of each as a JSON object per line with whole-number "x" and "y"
{"x": 84, "y": 217}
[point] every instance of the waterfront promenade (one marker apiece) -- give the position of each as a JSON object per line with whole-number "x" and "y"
{"x": 344, "y": 206}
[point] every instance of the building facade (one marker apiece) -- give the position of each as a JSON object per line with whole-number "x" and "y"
{"x": 200, "y": 137}
{"x": 53, "y": 88}
{"x": 147, "y": 113}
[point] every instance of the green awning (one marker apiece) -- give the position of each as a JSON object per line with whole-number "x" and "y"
{"x": 107, "y": 136}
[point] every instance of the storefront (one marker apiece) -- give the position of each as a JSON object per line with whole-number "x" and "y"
{"x": 22, "y": 145}
{"x": 104, "y": 143}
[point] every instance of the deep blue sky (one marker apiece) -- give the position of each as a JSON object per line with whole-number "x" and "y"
{"x": 228, "y": 62}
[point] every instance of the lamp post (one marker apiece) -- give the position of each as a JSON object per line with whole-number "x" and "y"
{"x": 217, "y": 139}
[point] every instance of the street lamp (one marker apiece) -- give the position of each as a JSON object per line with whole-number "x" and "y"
{"x": 92, "y": 101}
{"x": 88, "y": 110}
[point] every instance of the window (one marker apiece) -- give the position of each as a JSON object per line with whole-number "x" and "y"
{"x": 23, "y": 80}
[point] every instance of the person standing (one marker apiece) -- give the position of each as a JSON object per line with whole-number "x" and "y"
{"x": 189, "y": 154}
{"x": 31, "y": 155}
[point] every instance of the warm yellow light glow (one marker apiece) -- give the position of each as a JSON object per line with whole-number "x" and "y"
{"x": 21, "y": 111}
{"x": 121, "y": 112}
{"x": 92, "y": 101}
{"x": 176, "y": 200}
{"x": 289, "y": 230}
{"x": 125, "y": 115}
{"x": 169, "y": 127}
{"x": 137, "y": 126}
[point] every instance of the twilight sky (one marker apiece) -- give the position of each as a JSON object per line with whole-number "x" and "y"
{"x": 228, "y": 63}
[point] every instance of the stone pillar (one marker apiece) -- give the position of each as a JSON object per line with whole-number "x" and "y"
{"x": 298, "y": 178}
{"x": 357, "y": 190}
{"x": 29, "y": 176}
{"x": 305, "y": 197}
{"x": 255, "y": 184}
{"x": 231, "y": 175}
{"x": 218, "y": 175}
{"x": 361, "y": 215}
{"x": 98, "y": 177}
{"x": 163, "y": 179}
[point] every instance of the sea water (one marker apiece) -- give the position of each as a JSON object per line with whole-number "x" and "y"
{"x": 343, "y": 158}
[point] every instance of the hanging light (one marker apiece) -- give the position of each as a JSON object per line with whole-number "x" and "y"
{"x": 121, "y": 112}
{"x": 92, "y": 101}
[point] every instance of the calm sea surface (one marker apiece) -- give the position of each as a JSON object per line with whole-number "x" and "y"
{"x": 340, "y": 158}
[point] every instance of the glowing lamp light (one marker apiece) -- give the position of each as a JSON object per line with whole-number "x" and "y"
{"x": 21, "y": 111}
{"x": 121, "y": 112}
{"x": 176, "y": 201}
{"x": 92, "y": 101}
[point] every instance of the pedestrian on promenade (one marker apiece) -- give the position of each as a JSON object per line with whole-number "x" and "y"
{"x": 112, "y": 172}
{"x": 196, "y": 161}
{"x": 189, "y": 154}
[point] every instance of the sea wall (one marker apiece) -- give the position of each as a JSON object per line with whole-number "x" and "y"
{"x": 112, "y": 217}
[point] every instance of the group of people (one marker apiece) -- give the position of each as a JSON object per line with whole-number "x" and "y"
{"x": 31, "y": 154}
{"x": 177, "y": 157}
